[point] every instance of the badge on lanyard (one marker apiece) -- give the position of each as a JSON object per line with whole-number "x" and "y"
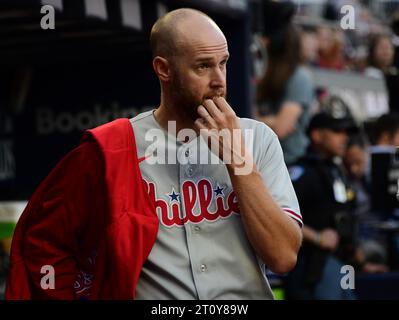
{"x": 339, "y": 191}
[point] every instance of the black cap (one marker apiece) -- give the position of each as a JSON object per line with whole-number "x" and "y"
{"x": 335, "y": 115}
{"x": 324, "y": 120}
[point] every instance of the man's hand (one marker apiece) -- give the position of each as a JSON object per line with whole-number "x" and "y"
{"x": 275, "y": 237}
{"x": 219, "y": 124}
{"x": 329, "y": 239}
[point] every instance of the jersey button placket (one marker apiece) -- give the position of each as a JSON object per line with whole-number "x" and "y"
{"x": 189, "y": 167}
{"x": 190, "y": 170}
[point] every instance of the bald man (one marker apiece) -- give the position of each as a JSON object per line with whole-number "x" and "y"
{"x": 186, "y": 201}
{"x": 219, "y": 226}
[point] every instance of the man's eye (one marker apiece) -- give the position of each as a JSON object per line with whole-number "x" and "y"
{"x": 203, "y": 66}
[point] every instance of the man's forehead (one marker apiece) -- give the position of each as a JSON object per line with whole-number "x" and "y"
{"x": 202, "y": 46}
{"x": 201, "y": 49}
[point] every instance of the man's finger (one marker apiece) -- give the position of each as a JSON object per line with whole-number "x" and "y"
{"x": 206, "y": 116}
{"x": 222, "y": 105}
{"x": 213, "y": 110}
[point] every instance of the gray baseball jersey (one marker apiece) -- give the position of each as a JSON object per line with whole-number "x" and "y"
{"x": 201, "y": 250}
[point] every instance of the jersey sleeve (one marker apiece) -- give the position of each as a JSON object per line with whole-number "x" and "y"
{"x": 270, "y": 163}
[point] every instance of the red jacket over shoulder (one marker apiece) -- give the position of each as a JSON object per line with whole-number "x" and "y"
{"x": 91, "y": 219}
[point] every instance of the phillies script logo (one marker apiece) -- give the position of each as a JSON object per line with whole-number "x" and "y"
{"x": 201, "y": 192}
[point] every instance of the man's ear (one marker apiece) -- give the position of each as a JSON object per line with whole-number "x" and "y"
{"x": 162, "y": 68}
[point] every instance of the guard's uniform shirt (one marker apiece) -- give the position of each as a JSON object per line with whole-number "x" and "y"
{"x": 323, "y": 191}
{"x": 326, "y": 201}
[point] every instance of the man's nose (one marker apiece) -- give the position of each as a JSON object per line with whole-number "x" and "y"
{"x": 218, "y": 79}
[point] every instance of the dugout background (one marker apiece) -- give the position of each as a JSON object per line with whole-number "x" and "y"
{"x": 94, "y": 67}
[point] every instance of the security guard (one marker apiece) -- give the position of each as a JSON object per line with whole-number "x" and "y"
{"x": 326, "y": 202}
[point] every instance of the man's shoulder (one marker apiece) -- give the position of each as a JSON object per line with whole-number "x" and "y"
{"x": 258, "y": 127}
{"x": 262, "y": 142}
{"x": 142, "y": 117}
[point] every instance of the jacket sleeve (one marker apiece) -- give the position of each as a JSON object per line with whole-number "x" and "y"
{"x": 53, "y": 234}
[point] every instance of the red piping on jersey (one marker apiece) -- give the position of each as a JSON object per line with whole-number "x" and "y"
{"x": 294, "y": 214}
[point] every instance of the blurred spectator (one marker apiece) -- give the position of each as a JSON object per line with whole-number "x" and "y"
{"x": 395, "y": 36}
{"x": 371, "y": 253}
{"x": 382, "y": 173}
{"x": 285, "y": 93}
{"x": 327, "y": 203}
{"x": 381, "y": 54}
{"x": 331, "y": 48}
{"x": 384, "y": 138}
{"x": 381, "y": 58}
{"x": 385, "y": 132}
{"x": 309, "y": 46}
{"x": 393, "y": 78}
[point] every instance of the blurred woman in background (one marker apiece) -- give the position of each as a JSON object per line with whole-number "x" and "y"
{"x": 381, "y": 66}
{"x": 285, "y": 93}
{"x": 381, "y": 55}
{"x": 331, "y": 49}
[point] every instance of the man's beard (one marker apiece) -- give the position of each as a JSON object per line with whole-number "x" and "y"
{"x": 186, "y": 100}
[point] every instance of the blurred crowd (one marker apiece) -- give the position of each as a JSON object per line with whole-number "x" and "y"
{"x": 344, "y": 170}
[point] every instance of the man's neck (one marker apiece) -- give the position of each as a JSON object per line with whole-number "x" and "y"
{"x": 166, "y": 113}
